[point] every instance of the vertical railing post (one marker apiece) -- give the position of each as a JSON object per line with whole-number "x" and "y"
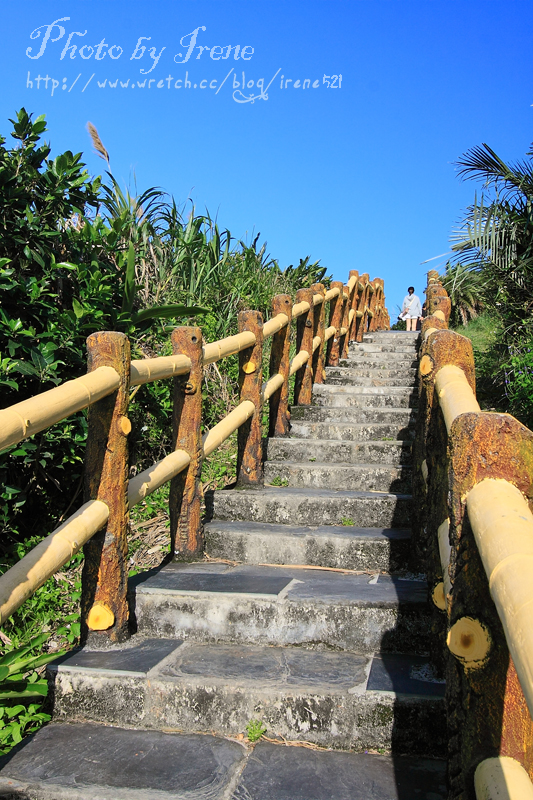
{"x": 185, "y": 489}
{"x": 279, "y": 416}
{"x": 319, "y": 373}
{"x": 250, "y": 454}
{"x": 303, "y": 385}
{"x": 104, "y": 606}
{"x": 353, "y": 305}
{"x": 335, "y": 321}
{"x": 345, "y": 323}
{"x": 361, "y": 306}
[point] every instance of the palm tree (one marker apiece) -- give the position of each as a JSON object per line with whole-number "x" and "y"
{"x": 465, "y": 290}
{"x": 495, "y": 239}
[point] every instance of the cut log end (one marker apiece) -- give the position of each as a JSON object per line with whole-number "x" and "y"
{"x": 100, "y": 618}
{"x": 469, "y": 641}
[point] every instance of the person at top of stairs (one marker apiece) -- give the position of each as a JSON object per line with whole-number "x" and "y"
{"x": 411, "y": 309}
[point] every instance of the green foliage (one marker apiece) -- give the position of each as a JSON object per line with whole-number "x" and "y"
{"x": 255, "y": 730}
{"x": 279, "y": 481}
{"x": 347, "y": 521}
{"x": 20, "y": 681}
{"x": 493, "y": 269}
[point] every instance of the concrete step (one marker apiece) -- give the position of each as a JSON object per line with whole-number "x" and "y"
{"x": 382, "y": 373}
{"x": 378, "y": 360}
{"x": 352, "y": 477}
{"x": 333, "y": 450}
{"x": 400, "y": 416}
{"x": 88, "y": 761}
{"x": 334, "y": 379}
{"x": 365, "y": 396}
{"x": 338, "y": 546}
{"x": 247, "y": 604}
{"x": 297, "y": 693}
{"x": 393, "y": 336}
{"x": 383, "y": 347}
{"x": 293, "y": 506}
{"x": 352, "y": 431}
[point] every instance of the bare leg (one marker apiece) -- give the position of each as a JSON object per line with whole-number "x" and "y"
{"x": 410, "y": 324}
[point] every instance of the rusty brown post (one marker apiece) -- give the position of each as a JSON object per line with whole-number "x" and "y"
{"x": 250, "y": 455}
{"x": 303, "y": 384}
{"x": 353, "y": 305}
{"x": 345, "y": 339}
{"x": 185, "y": 489}
{"x": 319, "y": 373}
{"x": 361, "y": 307}
{"x": 487, "y": 712}
{"x": 104, "y": 607}
{"x": 279, "y": 416}
{"x": 335, "y": 321}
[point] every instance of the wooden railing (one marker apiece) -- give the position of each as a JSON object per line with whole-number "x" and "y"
{"x": 100, "y": 525}
{"x": 473, "y": 528}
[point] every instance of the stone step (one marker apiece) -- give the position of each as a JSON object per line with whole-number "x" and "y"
{"x": 343, "y": 370}
{"x": 364, "y": 396}
{"x": 352, "y": 477}
{"x": 352, "y": 380}
{"x": 88, "y": 761}
{"x": 247, "y": 604}
{"x": 394, "y": 336}
{"x": 338, "y": 546}
{"x": 351, "y": 431}
{"x": 293, "y": 506}
{"x": 378, "y": 360}
{"x": 400, "y": 416}
{"x": 378, "y": 347}
{"x": 333, "y": 450}
{"x": 297, "y": 693}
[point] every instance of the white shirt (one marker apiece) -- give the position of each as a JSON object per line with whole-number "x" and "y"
{"x": 411, "y": 306}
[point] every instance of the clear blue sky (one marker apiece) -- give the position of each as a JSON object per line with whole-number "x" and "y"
{"x": 359, "y": 175}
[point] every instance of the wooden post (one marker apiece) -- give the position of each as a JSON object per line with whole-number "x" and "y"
{"x": 361, "y": 306}
{"x": 104, "y": 607}
{"x": 335, "y": 320}
{"x": 353, "y": 305}
{"x": 250, "y": 454}
{"x": 303, "y": 385}
{"x": 345, "y": 323}
{"x": 279, "y": 416}
{"x": 487, "y": 711}
{"x": 185, "y": 489}
{"x": 319, "y": 373}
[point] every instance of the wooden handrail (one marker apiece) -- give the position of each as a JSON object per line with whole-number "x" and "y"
{"x": 147, "y": 370}
{"x": 46, "y": 558}
{"x": 31, "y": 416}
{"x": 37, "y": 413}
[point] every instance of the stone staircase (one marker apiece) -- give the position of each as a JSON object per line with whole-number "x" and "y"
{"x": 305, "y": 618}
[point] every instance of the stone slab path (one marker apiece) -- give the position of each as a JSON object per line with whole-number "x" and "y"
{"x": 273, "y": 631}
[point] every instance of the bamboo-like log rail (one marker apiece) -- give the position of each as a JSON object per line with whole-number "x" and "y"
{"x": 298, "y": 361}
{"x": 455, "y": 394}
{"x": 227, "y": 426}
{"x": 270, "y": 386}
{"x": 503, "y": 528}
{"x": 46, "y": 558}
{"x": 24, "y": 419}
{"x": 228, "y": 346}
{"x": 274, "y": 325}
{"x": 502, "y": 778}
{"x": 300, "y": 308}
{"x": 155, "y": 476}
{"x": 38, "y": 413}
{"x": 147, "y": 370}
{"x": 331, "y": 293}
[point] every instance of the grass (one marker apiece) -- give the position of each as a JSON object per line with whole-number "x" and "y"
{"x": 255, "y": 729}
{"x": 279, "y": 481}
{"x": 347, "y": 521}
{"x": 485, "y": 333}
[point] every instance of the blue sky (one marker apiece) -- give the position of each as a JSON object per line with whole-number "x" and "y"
{"x": 359, "y": 175}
